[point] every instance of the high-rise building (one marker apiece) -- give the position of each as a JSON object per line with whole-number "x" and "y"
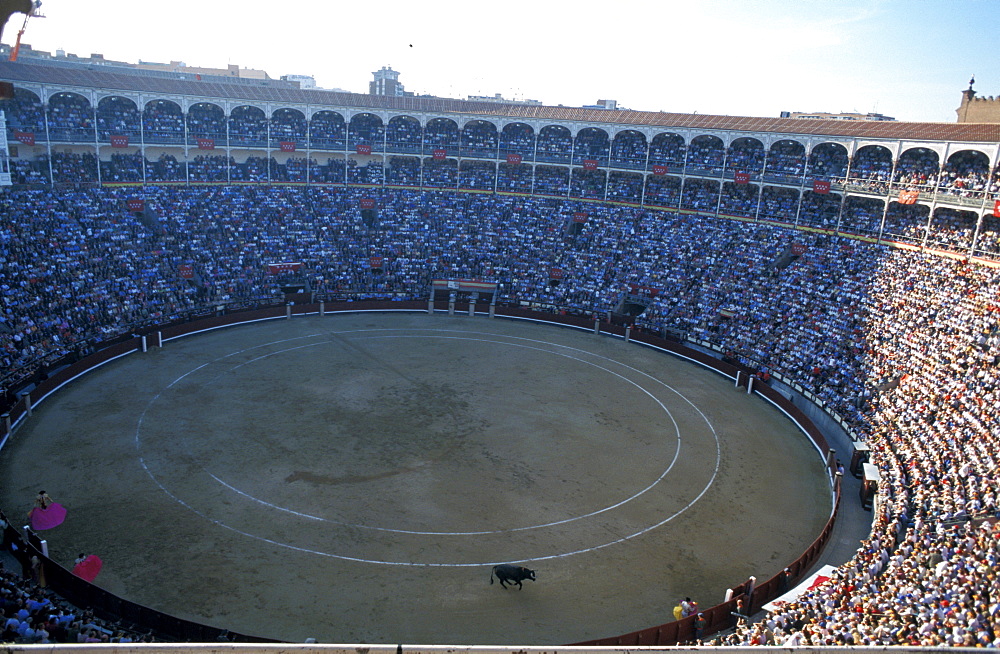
{"x": 386, "y": 82}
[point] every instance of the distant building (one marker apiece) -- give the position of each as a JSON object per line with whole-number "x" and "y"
{"x": 386, "y": 82}
{"x": 609, "y": 105}
{"x": 822, "y": 115}
{"x": 304, "y": 81}
{"x": 499, "y": 99}
{"x": 232, "y": 70}
{"x": 978, "y": 110}
{"x": 28, "y": 55}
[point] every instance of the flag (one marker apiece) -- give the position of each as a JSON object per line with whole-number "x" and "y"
{"x": 996, "y": 208}
{"x": 579, "y": 217}
{"x": 821, "y": 186}
{"x": 513, "y": 159}
{"x": 556, "y": 273}
{"x": 590, "y": 164}
{"x": 375, "y": 262}
{"x": 364, "y": 149}
{"x": 366, "y": 203}
{"x": 288, "y": 146}
{"x": 659, "y": 169}
{"x": 798, "y": 249}
{"x": 439, "y": 154}
{"x": 28, "y": 138}
{"x": 186, "y": 271}
{"x": 119, "y": 141}
{"x": 742, "y": 178}
{"x": 135, "y": 204}
{"x": 206, "y": 144}
{"x": 908, "y": 197}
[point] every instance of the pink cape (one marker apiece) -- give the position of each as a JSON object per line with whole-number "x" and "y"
{"x": 48, "y": 518}
{"x": 88, "y": 568}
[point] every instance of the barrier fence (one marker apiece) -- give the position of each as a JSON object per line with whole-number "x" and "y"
{"x": 106, "y": 605}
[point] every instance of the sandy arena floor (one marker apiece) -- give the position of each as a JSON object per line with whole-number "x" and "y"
{"x": 352, "y": 478}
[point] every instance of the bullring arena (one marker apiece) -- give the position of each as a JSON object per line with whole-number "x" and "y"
{"x": 352, "y": 478}
{"x": 336, "y": 468}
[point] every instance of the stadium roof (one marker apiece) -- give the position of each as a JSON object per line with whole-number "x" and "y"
{"x": 97, "y": 76}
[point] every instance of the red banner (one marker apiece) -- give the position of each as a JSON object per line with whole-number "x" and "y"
{"x": 206, "y": 144}
{"x": 996, "y": 208}
{"x": 367, "y": 203}
{"x": 286, "y": 266}
{"x": 28, "y": 138}
{"x": 659, "y": 169}
{"x": 186, "y": 271}
{"x": 375, "y": 262}
{"x": 821, "y": 186}
{"x": 579, "y": 217}
{"x": 288, "y": 146}
{"x": 135, "y": 204}
{"x": 119, "y": 141}
{"x": 514, "y": 159}
{"x": 590, "y": 164}
{"x": 440, "y": 154}
{"x": 798, "y": 249}
{"x": 364, "y": 149}
{"x": 742, "y": 178}
{"x": 556, "y": 273}
{"x": 908, "y": 197}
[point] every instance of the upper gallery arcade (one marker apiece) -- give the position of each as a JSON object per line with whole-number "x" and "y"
{"x": 106, "y": 127}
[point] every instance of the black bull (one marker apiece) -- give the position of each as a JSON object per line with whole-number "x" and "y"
{"x": 513, "y": 574}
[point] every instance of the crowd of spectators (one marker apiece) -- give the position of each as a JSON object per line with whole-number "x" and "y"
{"x": 902, "y": 344}
{"x": 31, "y": 615}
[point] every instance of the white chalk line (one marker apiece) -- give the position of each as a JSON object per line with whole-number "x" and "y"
{"x": 368, "y": 333}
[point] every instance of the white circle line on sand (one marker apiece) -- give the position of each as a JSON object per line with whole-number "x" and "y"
{"x": 622, "y": 539}
{"x": 554, "y": 523}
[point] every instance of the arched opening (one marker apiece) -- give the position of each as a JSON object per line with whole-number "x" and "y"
{"x": 555, "y": 144}
{"x": 162, "y": 122}
{"x": 705, "y": 156}
{"x": 404, "y": 134}
{"x": 872, "y": 167}
{"x": 592, "y": 144}
{"x": 70, "y": 118}
{"x": 966, "y": 174}
{"x": 517, "y": 139}
{"x": 628, "y": 150}
{"x": 366, "y": 133}
{"x": 24, "y": 114}
{"x": 289, "y": 126}
{"x": 786, "y": 162}
{"x": 117, "y": 115}
{"x": 480, "y": 139}
{"x": 327, "y": 131}
{"x": 248, "y": 127}
{"x": 441, "y": 134}
{"x": 669, "y": 150}
{"x": 918, "y": 169}
{"x": 745, "y": 155}
{"x": 828, "y": 161}
{"x": 206, "y": 120}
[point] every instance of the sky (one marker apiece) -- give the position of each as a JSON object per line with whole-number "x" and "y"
{"x": 909, "y": 59}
